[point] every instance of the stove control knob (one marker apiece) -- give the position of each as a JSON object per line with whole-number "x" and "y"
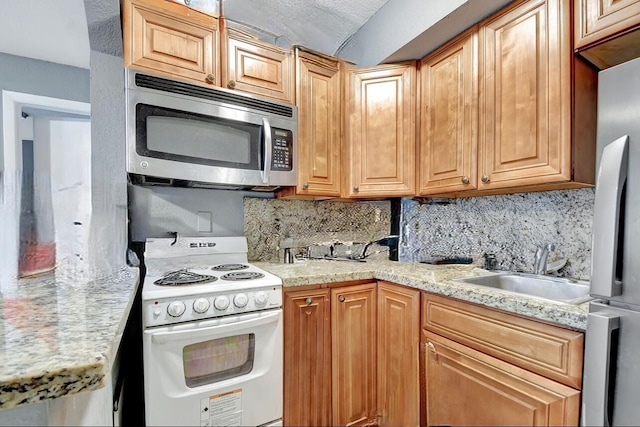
{"x": 221, "y": 303}
{"x": 261, "y": 298}
{"x": 176, "y": 309}
{"x": 240, "y": 300}
{"x": 201, "y": 305}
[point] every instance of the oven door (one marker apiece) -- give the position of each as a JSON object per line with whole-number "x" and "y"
{"x": 221, "y": 372}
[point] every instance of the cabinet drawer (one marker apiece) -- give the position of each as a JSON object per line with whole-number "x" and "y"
{"x": 550, "y": 351}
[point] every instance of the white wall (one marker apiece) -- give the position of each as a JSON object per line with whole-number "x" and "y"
{"x": 42, "y": 204}
{"x": 70, "y": 164}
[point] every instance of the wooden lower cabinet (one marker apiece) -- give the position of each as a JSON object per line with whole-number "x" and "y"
{"x": 307, "y": 358}
{"x": 398, "y": 360}
{"x": 467, "y": 387}
{"x": 486, "y": 367}
{"x": 353, "y": 350}
{"x": 351, "y": 356}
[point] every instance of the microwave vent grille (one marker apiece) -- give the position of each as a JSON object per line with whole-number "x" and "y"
{"x": 165, "y": 85}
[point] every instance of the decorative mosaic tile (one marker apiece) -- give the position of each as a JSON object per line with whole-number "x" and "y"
{"x": 509, "y": 226}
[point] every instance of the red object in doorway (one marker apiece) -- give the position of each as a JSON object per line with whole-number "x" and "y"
{"x": 37, "y": 258}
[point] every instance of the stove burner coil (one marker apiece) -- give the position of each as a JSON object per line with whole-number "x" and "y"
{"x": 229, "y": 267}
{"x": 242, "y": 275}
{"x": 184, "y": 277}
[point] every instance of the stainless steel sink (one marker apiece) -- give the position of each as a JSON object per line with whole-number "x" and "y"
{"x": 557, "y": 289}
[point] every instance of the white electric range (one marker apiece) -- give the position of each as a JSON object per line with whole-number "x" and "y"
{"x": 212, "y": 335}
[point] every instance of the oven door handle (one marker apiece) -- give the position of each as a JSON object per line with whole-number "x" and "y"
{"x": 268, "y": 149}
{"x": 223, "y": 329}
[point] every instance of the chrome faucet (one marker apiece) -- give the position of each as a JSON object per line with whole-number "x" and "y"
{"x": 385, "y": 241}
{"x": 540, "y": 262}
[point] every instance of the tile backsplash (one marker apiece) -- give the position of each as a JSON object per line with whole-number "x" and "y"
{"x": 270, "y": 225}
{"x": 509, "y": 226}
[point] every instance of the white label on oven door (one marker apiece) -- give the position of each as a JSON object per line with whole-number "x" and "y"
{"x": 224, "y": 409}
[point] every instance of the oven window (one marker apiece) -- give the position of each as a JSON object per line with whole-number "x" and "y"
{"x": 217, "y": 360}
{"x": 199, "y": 139}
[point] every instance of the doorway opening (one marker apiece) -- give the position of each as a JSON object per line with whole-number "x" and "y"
{"x": 46, "y": 185}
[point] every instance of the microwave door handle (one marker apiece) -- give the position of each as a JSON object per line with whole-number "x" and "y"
{"x": 612, "y": 175}
{"x": 268, "y": 149}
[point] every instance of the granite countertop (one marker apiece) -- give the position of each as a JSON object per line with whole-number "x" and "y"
{"x": 430, "y": 278}
{"x": 60, "y": 335}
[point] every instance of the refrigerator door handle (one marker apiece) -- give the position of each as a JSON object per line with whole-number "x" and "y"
{"x": 609, "y": 185}
{"x": 595, "y": 384}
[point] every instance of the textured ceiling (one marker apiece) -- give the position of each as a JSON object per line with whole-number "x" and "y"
{"x": 366, "y": 32}
{"x": 322, "y": 25}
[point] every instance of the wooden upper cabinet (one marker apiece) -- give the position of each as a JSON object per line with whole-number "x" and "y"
{"x": 307, "y": 358}
{"x": 318, "y": 97}
{"x": 398, "y": 360}
{"x": 448, "y": 142}
{"x": 606, "y": 31}
{"x": 525, "y": 95}
{"x": 353, "y": 348}
{"x": 252, "y": 66}
{"x": 380, "y": 149}
{"x": 170, "y": 38}
{"x": 467, "y": 387}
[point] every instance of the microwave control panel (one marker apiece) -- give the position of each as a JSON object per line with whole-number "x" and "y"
{"x": 282, "y": 150}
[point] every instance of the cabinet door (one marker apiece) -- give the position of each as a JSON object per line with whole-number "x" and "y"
{"x": 525, "y": 95}
{"x": 603, "y": 28}
{"x": 256, "y": 67}
{"x": 319, "y": 125}
{"x": 449, "y": 117}
{"x": 380, "y": 156}
{"x": 466, "y": 387}
{"x": 398, "y": 347}
{"x": 170, "y": 38}
{"x": 353, "y": 348}
{"x": 307, "y": 358}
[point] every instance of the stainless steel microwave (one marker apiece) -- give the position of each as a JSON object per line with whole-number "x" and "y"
{"x": 181, "y": 132}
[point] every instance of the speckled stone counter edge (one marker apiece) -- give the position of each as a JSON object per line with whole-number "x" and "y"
{"x": 41, "y": 384}
{"x": 434, "y": 279}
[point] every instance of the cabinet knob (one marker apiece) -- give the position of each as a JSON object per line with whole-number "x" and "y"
{"x": 432, "y": 349}
{"x": 231, "y": 84}
{"x": 485, "y": 178}
{"x": 356, "y": 188}
{"x": 309, "y": 301}
{"x": 305, "y": 185}
{"x": 211, "y": 78}
{"x": 465, "y": 179}
{"x": 341, "y": 298}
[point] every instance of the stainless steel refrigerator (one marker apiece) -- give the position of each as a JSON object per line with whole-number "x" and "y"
{"x": 611, "y": 380}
